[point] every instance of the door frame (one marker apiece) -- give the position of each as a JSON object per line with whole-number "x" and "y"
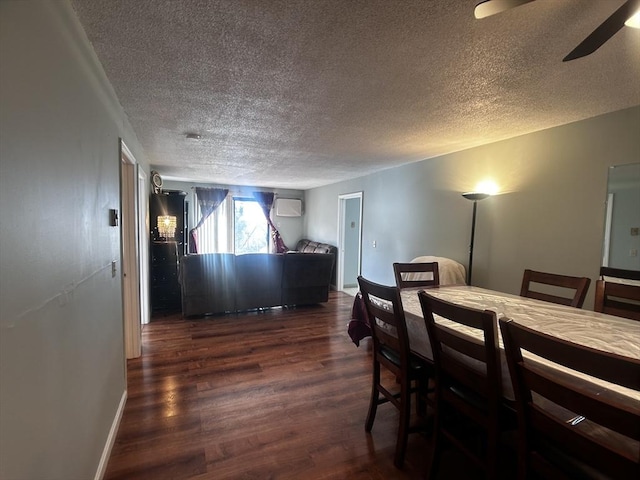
{"x": 143, "y": 246}
{"x": 130, "y": 253}
{"x": 342, "y": 201}
{"x": 606, "y": 244}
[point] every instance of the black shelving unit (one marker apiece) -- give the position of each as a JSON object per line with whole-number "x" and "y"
{"x": 166, "y": 251}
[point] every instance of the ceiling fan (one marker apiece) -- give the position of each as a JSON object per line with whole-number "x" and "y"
{"x": 595, "y": 40}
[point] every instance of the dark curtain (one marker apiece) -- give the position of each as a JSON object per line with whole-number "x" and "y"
{"x": 208, "y": 200}
{"x": 265, "y": 199}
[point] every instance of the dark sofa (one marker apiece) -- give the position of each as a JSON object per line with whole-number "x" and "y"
{"x": 221, "y": 282}
{"x": 309, "y": 246}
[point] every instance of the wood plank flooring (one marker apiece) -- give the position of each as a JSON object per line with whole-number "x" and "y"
{"x": 281, "y": 394}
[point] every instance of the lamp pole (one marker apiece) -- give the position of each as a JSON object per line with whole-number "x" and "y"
{"x": 475, "y": 197}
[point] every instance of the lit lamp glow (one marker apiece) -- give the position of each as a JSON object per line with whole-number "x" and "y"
{"x": 167, "y": 226}
{"x": 484, "y": 190}
{"x": 634, "y": 20}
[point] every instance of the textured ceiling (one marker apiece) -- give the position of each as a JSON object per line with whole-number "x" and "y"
{"x": 303, "y": 93}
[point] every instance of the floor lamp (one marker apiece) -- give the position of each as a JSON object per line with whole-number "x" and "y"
{"x": 474, "y": 197}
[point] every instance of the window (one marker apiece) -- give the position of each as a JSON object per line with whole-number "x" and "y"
{"x": 237, "y": 226}
{"x": 250, "y": 227}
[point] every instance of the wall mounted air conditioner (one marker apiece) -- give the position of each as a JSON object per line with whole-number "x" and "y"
{"x": 288, "y": 207}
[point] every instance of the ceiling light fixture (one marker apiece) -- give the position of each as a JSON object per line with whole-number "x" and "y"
{"x": 193, "y": 136}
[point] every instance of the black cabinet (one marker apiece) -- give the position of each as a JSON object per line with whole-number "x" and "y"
{"x": 167, "y": 221}
{"x": 165, "y": 289}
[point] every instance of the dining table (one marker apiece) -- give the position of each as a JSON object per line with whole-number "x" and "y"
{"x": 591, "y": 329}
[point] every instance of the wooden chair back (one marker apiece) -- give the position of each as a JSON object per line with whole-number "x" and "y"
{"x": 557, "y": 446}
{"x": 468, "y": 377}
{"x": 619, "y": 273}
{"x": 388, "y": 326}
{"x": 580, "y": 285}
{"x": 614, "y": 298}
{"x": 410, "y": 275}
{"x": 391, "y": 350}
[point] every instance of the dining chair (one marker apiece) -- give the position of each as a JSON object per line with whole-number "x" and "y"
{"x": 568, "y": 427}
{"x": 391, "y": 350}
{"x": 620, "y": 273}
{"x": 579, "y": 286}
{"x": 409, "y": 275}
{"x": 468, "y": 383}
{"x": 615, "y": 297}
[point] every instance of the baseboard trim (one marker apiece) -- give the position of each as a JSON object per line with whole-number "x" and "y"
{"x": 106, "y": 453}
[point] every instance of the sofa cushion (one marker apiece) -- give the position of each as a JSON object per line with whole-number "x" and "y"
{"x": 309, "y": 246}
{"x": 306, "y": 278}
{"x": 209, "y": 279}
{"x": 258, "y": 280}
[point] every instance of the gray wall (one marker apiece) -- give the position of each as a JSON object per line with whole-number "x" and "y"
{"x": 549, "y": 217}
{"x": 62, "y": 374}
{"x": 290, "y": 228}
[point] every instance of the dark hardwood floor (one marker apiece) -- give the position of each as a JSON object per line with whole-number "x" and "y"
{"x": 281, "y": 394}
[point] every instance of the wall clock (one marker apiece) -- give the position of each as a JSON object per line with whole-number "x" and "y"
{"x": 156, "y": 181}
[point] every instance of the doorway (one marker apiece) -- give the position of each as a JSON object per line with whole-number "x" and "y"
{"x": 349, "y": 242}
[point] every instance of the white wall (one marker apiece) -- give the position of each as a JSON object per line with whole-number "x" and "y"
{"x": 62, "y": 375}
{"x": 549, "y": 217}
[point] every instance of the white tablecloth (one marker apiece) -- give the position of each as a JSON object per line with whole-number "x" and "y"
{"x": 592, "y": 329}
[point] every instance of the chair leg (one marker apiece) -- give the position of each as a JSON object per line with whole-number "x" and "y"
{"x": 434, "y": 459}
{"x": 373, "y": 402}
{"x": 403, "y": 427}
{"x": 492, "y": 456}
{"x": 523, "y": 460}
{"x": 422, "y": 391}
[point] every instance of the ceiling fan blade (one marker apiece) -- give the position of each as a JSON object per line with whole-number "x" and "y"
{"x": 491, "y": 7}
{"x": 605, "y": 31}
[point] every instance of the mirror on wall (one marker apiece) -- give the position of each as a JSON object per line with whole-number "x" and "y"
{"x": 622, "y": 223}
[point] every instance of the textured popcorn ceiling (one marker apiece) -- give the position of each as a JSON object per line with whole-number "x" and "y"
{"x": 302, "y": 93}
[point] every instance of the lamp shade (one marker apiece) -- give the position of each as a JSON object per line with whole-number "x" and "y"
{"x": 475, "y": 196}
